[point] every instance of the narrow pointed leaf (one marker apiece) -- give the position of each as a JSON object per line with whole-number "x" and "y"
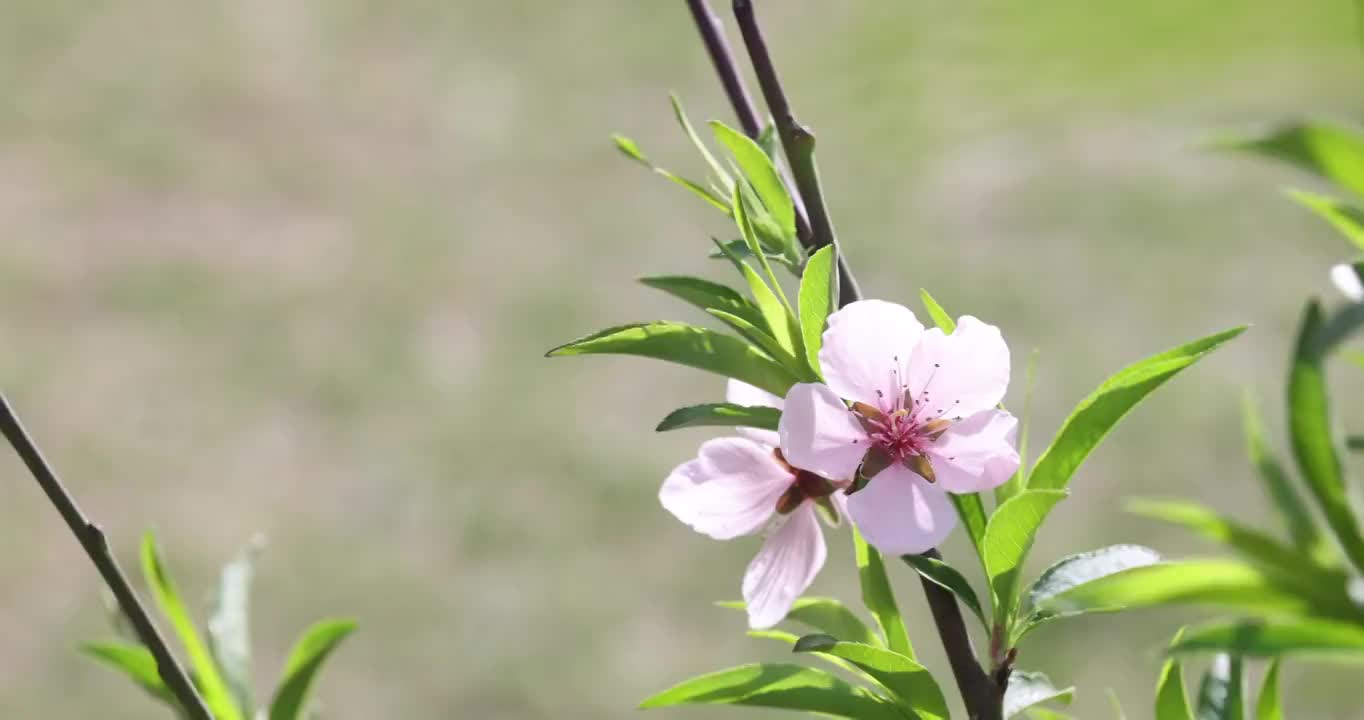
{"x": 757, "y": 167}
{"x": 784, "y": 686}
{"x": 229, "y": 628}
{"x": 790, "y": 639}
{"x": 1313, "y": 436}
{"x": 879, "y": 598}
{"x": 715, "y": 166}
{"x": 1219, "y": 695}
{"x": 137, "y": 663}
{"x": 1008, "y": 538}
{"x": 1093, "y": 418}
{"x": 206, "y": 674}
{"x": 826, "y": 615}
{"x": 935, "y": 311}
{"x": 1076, "y": 570}
{"x": 1331, "y": 151}
{"x": 768, "y": 344}
{"x": 630, "y": 149}
{"x": 1275, "y": 637}
{"x": 947, "y": 576}
{"x": 908, "y": 681}
{"x": 1345, "y": 217}
{"x": 1032, "y": 688}
{"x": 816, "y": 301}
{"x": 721, "y": 415}
{"x": 707, "y": 295}
{"x": 306, "y": 659}
{"x": 1172, "y": 702}
{"x": 687, "y": 345}
{"x": 1283, "y": 497}
{"x": 1268, "y": 707}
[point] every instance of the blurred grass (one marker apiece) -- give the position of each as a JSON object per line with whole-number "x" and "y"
{"x": 291, "y": 267}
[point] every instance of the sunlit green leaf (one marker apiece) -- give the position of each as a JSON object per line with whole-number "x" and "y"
{"x": 707, "y": 295}
{"x": 229, "y": 627}
{"x": 1273, "y": 637}
{"x": 789, "y": 687}
{"x": 715, "y": 166}
{"x": 790, "y": 639}
{"x": 1008, "y": 538}
{"x": 908, "y": 681}
{"x": 947, "y": 576}
{"x": 208, "y": 678}
{"x": 1093, "y": 418}
{"x": 758, "y": 168}
{"x": 1268, "y": 707}
{"x": 1172, "y": 702}
{"x": 136, "y": 662}
{"x": 1075, "y": 570}
{"x": 1313, "y": 437}
{"x": 1284, "y": 498}
{"x": 305, "y": 660}
{"x": 1345, "y": 217}
{"x": 631, "y": 150}
{"x": 826, "y": 615}
{"x": 1220, "y": 693}
{"x": 1326, "y": 149}
{"x": 722, "y": 415}
{"x": 878, "y": 597}
{"x": 816, "y": 301}
{"x": 940, "y": 317}
{"x": 1031, "y": 688}
{"x": 765, "y": 342}
{"x": 686, "y": 345}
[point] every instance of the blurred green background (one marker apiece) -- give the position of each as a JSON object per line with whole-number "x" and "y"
{"x": 290, "y": 267}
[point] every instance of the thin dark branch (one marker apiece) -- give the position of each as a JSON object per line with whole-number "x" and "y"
{"x": 713, "y": 35}
{"x": 798, "y": 144}
{"x": 984, "y": 697}
{"x": 97, "y": 547}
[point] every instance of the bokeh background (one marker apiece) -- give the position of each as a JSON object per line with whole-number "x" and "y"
{"x": 291, "y": 267}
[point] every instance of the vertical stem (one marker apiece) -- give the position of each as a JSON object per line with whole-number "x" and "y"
{"x": 984, "y": 697}
{"x": 97, "y": 547}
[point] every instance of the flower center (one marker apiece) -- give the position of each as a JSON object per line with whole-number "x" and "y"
{"x": 900, "y": 430}
{"x": 805, "y": 485}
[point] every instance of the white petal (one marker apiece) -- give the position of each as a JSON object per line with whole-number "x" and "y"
{"x": 977, "y": 453}
{"x": 866, "y": 351}
{"x": 784, "y": 567}
{"x": 741, "y": 393}
{"x": 729, "y": 489}
{"x": 820, "y": 434}
{"x": 1347, "y": 281}
{"x": 899, "y": 513}
{"x": 960, "y": 374}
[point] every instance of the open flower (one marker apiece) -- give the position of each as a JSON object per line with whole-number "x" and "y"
{"x": 743, "y": 485}
{"x": 916, "y": 410}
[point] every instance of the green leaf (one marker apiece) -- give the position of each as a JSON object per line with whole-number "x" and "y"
{"x": 971, "y": 510}
{"x": 879, "y": 598}
{"x": 1227, "y": 584}
{"x": 1093, "y": 418}
{"x": 947, "y": 576}
{"x": 137, "y": 663}
{"x": 1015, "y": 483}
{"x": 715, "y": 166}
{"x": 738, "y": 249}
{"x": 1345, "y": 217}
{"x": 686, "y": 345}
{"x": 1076, "y": 570}
{"x": 306, "y": 659}
{"x": 939, "y": 315}
{"x": 631, "y": 150}
{"x": 1328, "y": 150}
{"x": 776, "y": 315}
{"x": 826, "y": 615}
{"x": 766, "y": 343}
{"x": 1296, "y": 517}
{"x": 1314, "y": 437}
{"x": 785, "y": 686}
{"x": 791, "y": 639}
{"x": 707, "y": 295}
{"x": 757, "y": 167}
{"x": 1172, "y": 702}
{"x": 721, "y": 414}
{"x": 229, "y": 628}
{"x": 1270, "y": 638}
{"x": 1008, "y": 538}
{"x": 1268, "y": 707}
{"x": 1031, "y": 688}
{"x": 1036, "y": 713}
{"x": 210, "y": 683}
{"x": 816, "y": 301}
{"x": 908, "y": 681}
{"x": 1219, "y": 695}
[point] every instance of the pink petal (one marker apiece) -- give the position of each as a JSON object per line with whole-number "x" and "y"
{"x": 866, "y": 351}
{"x": 899, "y": 513}
{"x": 729, "y": 489}
{"x": 784, "y": 567}
{"x": 977, "y": 453}
{"x": 820, "y": 434}
{"x": 741, "y": 393}
{"x": 959, "y": 374}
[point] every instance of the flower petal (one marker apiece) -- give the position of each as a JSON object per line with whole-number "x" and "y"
{"x": 960, "y": 374}
{"x": 866, "y": 351}
{"x": 784, "y": 567}
{"x": 741, "y": 393}
{"x": 729, "y": 489}
{"x": 898, "y": 512}
{"x": 977, "y": 453}
{"x": 820, "y": 434}
{"x": 1347, "y": 281}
